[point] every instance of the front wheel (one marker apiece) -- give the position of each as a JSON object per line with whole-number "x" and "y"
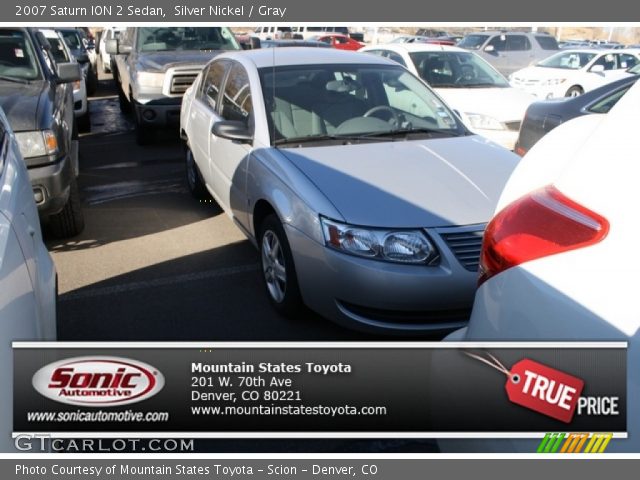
{"x": 574, "y": 91}
{"x": 278, "y": 270}
{"x": 194, "y": 178}
{"x": 69, "y": 222}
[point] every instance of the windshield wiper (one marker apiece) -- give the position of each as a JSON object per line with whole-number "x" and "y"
{"x": 407, "y": 131}
{"x": 13, "y": 79}
{"x": 320, "y": 138}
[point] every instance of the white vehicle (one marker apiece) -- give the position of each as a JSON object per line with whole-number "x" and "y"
{"x": 272, "y": 33}
{"x": 110, "y": 33}
{"x": 27, "y": 274}
{"x": 557, "y": 261}
{"x": 478, "y": 92}
{"x": 61, "y": 54}
{"x": 570, "y": 73}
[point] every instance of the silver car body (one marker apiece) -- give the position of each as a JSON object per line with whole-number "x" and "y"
{"x": 27, "y": 273}
{"x": 445, "y": 187}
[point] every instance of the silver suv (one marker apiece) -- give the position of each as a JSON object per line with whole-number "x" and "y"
{"x": 510, "y": 51}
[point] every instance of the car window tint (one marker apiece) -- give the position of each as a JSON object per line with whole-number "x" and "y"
{"x": 547, "y": 42}
{"x": 396, "y": 58}
{"x": 17, "y": 59}
{"x": 518, "y": 43}
{"x": 627, "y": 61}
{"x": 605, "y": 104}
{"x": 236, "y": 102}
{"x": 608, "y": 61}
{"x": 212, "y": 82}
{"x": 58, "y": 51}
{"x": 499, "y": 44}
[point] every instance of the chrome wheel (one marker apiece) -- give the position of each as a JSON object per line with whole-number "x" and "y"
{"x": 273, "y": 266}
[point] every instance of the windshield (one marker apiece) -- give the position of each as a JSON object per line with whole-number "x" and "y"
{"x": 17, "y": 58}
{"x": 336, "y": 101}
{"x": 635, "y": 69}
{"x": 163, "y": 39}
{"x": 567, "y": 60}
{"x": 456, "y": 70}
{"x": 72, "y": 39}
{"x": 473, "y": 42}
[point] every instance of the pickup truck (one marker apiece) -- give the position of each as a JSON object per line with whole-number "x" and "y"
{"x": 154, "y": 66}
{"x": 36, "y": 94}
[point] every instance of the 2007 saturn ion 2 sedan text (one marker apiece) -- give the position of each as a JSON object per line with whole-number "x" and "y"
{"x": 365, "y": 194}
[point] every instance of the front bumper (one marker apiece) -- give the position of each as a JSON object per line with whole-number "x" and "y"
{"x": 51, "y": 184}
{"x": 381, "y": 297}
{"x": 164, "y": 112}
{"x": 546, "y": 92}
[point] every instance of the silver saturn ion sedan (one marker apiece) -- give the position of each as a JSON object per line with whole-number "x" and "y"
{"x": 365, "y": 194}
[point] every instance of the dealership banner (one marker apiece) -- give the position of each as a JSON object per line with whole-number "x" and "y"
{"x": 315, "y": 390}
{"x": 261, "y": 11}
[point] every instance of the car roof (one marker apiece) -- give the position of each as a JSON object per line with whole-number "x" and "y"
{"x": 271, "y": 57}
{"x": 417, "y": 47}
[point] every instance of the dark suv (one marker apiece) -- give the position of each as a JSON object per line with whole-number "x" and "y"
{"x": 36, "y": 94}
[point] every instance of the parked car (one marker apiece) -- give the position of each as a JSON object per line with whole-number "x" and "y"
{"x": 339, "y": 41}
{"x": 409, "y": 39}
{"x": 155, "y": 65}
{"x": 368, "y": 210}
{"x": 36, "y": 94}
{"x": 544, "y": 116}
{"x": 555, "y": 259}
{"x": 570, "y": 73}
{"x": 483, "y": 97}
{"x": 111, "y": 33}
{"x": 27, "y": 273}
{"x": 61, "y": 54}
{"x": 510, "y": 51}
{"x": 306, "y": 33}
{"x": 74, "y": 40}
{"x": 272, "y": 32}
{"x": 291, "y": 43}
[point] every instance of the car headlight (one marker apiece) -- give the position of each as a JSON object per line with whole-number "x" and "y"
{"x": 484, "y": 122}
{"x": 37, "y": 143}
{"x": 553, "y": 81}
{"x": 150, "y": 79}
{"x": 399, "y": 246}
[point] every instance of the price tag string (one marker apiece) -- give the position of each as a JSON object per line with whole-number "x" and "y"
{"x": 492, "y": 361}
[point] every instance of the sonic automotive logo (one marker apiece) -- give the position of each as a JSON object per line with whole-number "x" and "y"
{"x": 98, "y": 381}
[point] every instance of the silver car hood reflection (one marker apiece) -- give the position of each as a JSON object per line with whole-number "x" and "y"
{"x": 423, "y": 183}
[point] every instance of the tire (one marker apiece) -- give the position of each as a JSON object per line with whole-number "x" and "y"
{"x": 125, "y": 105}
{"x": 92, "y": 81}
{"x": 194, "y": 178}
{"x": 144, "y": 134}
{"x": 69, "y": 222}
{"x": 278, "y": 270}
{"x": 574, "y": 91}
{"x": 84, "y": 122}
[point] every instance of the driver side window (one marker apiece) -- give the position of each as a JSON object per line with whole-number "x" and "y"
{"x": 236, "y": 100}
{"x": 211, "y": 83}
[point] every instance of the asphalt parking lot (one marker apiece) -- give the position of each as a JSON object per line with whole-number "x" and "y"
{"x": 153, "y": 263}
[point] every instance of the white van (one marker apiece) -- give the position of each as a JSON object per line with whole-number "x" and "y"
{"x": 272, "y": 33}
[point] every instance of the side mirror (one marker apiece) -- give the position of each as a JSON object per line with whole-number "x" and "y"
{"x": 255, "y": 43}
{"x": 232, "y": 130}
{"x": 597, "y": 69}
{"x": 82, "y": 58}
{"x": 69, "y": 72}
{"x": 114, "y": 47}
{"x": 489, "y": 49}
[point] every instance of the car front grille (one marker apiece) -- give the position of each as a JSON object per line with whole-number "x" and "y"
{"x": 466, "y": 246}
{"x": 180, "y": 82}
{"x": 513, "y": 126}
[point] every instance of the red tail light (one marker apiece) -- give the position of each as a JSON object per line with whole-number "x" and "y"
{"x": 542, "y": 223}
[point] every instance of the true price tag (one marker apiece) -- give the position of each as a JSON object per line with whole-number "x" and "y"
{"x": 539, "y": 387}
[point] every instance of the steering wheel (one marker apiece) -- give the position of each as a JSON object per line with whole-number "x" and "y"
{"x": 384, "y": 108}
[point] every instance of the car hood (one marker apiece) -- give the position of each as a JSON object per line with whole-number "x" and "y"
{"x": 20, "y": 104}
{"x": 504, "y": 104}
{"x": 161, "y": 61}
{"x": 425, "y": 183}
{"x": 543, "y": 73}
